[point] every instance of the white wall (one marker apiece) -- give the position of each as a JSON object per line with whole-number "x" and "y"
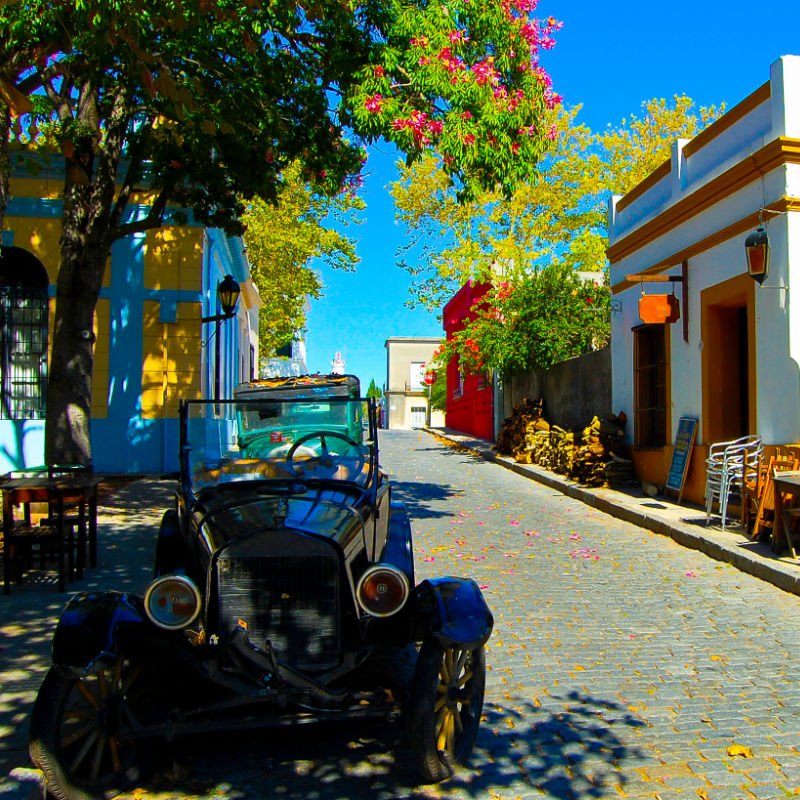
{"x": 777, "y": 331}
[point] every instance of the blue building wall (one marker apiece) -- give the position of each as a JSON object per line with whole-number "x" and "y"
{"x": 146, "y": 335}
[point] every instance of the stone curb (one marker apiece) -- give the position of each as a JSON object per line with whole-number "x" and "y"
{"x": 735, "y": 549}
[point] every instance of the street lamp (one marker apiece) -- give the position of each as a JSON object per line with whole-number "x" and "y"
{"x": 228, "y": 291}
{"x": 756, "y": 247}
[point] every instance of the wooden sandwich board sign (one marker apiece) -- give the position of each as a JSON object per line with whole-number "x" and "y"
{"x": 681, "y": 455}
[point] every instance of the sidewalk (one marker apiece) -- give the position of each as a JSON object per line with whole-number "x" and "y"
{"x": 127, "y": 523}
{"x": 685, "y": 523}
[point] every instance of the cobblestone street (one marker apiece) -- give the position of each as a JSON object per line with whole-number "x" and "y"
{"x": 622, "y": 664}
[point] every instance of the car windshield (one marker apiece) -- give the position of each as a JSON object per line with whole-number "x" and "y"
{"x": 281, "y": 439}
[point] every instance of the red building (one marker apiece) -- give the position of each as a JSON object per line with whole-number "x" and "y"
{"x": 470, "y": 407}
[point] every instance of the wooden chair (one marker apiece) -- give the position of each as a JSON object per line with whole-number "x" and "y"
{"x": 763, "y": 524}
{"x": 752, "y": 490}
{"x": 24, "y": 540}
{"x": 75, "y": 515}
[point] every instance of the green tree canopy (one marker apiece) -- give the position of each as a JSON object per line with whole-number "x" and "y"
{"x": 200, "y": 103}
{"x": 544, "y": 249}
{"x": 283, "y": 239}
{"x": 559, "y": 218}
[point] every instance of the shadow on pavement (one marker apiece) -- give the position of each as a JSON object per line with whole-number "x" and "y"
{"x": 574, "y": 753}
{"x": 452, "y": 450}
{"x": 127, "y": 527}
{"x": 418, "y": 497}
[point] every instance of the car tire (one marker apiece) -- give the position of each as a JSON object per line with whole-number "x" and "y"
{"x": 78, "y": 735}
{"x": 446, "y": 706}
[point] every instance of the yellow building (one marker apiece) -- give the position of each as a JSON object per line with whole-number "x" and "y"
{"x": 152, "y": 346}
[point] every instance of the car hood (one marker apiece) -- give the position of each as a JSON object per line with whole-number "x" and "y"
{"x": 337, "y": 515}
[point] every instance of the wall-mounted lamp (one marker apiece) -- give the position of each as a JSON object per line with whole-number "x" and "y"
{"x": 228, "y": 291}
{"x": 756, "y": 247}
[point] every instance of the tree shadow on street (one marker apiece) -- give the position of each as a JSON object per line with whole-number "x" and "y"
{"x": 452, "y": 450}
{"x": 419, "y": 498}
{"x": 127, "y": 526}
{"x": 577, "y": 752}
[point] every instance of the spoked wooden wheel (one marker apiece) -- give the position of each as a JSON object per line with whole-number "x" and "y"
{"x": 446, "y": 705}
{"x": 82, "y": 731}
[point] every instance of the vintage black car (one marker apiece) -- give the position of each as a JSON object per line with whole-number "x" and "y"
{"x": 280, "y": 581}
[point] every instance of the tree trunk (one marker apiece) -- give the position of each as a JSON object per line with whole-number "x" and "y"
{"x": 69, "y": 387}
{"x": 85, "y": 249}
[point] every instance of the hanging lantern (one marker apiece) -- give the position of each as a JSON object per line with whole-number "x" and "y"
{"x": 756, "y": 247}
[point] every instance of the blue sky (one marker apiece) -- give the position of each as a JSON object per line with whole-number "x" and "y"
{"x": 609, "y": 57}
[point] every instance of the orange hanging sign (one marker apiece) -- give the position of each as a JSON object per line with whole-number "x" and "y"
{"x": 658, "y": 308}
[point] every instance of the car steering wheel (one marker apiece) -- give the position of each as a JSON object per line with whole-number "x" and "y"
{"x": 324, "y": 457}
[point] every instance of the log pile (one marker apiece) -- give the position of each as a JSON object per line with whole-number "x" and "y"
{"x": 516, "y": 436}
{"x": 595, "y": 457}
{"x": 601, "y": 460}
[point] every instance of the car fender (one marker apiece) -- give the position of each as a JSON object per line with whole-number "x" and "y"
{"x": 169, "y": 556}
{"x": 398, "y": 551}
{"x": 88, "y": 630}
{"x": 454, "y": 611}
{"x": 96, "y": 628}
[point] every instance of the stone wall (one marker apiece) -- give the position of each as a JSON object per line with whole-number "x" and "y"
{"x": 574, "y": 391}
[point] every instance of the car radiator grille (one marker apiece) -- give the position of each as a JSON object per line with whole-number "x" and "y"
{"x": 291, "y": 601}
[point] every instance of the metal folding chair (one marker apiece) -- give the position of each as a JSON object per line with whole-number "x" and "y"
{"x": 727, "y": 466}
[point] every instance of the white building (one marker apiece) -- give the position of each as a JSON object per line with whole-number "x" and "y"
{"x": 731, "y": 360}
{"x": 407, "y": 395}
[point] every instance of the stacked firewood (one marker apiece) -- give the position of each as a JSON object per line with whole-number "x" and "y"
{"x": 601, "y": 458}
{"x": 518, "y": 431}
{"x": 595, "y": 457}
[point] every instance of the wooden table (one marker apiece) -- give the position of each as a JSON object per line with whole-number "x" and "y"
{"x": 787, "y": 484}
{"x": 59, "y": 491}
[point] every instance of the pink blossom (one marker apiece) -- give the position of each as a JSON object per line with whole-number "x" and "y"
{"x": 552, "y": 99}
{"x": 530, "y": 33}
{"x": 419, "y": 41}
{"x": 469, "y": 139}
{"x": 485, "y": 72}
{"x": 436, "y": 126}
{"x": 449, "y": 61}
{"x": 379, "y": 72}
{"x": 419, "y": 125}
{"x": 457, "y": 36}
{"x": 543, "y": 77}
{"x": 374, "y": 104}
{"x": 466, "y": 115}
{"x": 552, "y": 132}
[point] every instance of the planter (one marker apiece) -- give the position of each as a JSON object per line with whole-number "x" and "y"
{"x": 659, "y": 308}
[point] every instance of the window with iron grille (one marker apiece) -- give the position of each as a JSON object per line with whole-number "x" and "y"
{"x": 650, "y": 386}
{"x": 23, "y": 352}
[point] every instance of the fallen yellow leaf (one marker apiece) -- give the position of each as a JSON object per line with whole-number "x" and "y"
{"x": 739, "y": 750}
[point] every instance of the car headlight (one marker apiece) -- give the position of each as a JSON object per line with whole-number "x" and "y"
{"x": 172, "y": 602}
{"x": 382, "y": 590}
